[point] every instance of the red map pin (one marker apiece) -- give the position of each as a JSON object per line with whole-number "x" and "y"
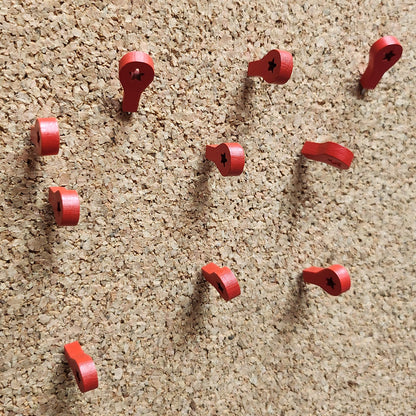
{"x": 45, "y": 136}
{"x": 82, "y": 367}
{"x": 331, "y": 153}
{"x": 275, "y": 68}
{"x": 136, "y": 72}
{"x": 334, "y": 279}
{"x": 65, "y": 205}
{"x": 223, "y": 279}
{"x": 229, "y": 158}
{"x": 383, "y": 55}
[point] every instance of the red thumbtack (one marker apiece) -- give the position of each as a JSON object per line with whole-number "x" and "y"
{"x": 334, "y": 279}
{"x": 82, "y": 366}
{"x": 229, "y": 158}
{"x": 223, "y": 279}
{"x": 45, "y": 136}
{"x": 331, "y": 153}
{"x": 136, "y": 72}
{"x": 275, "y": 68}
{"x": 65, "y": 204}
{"x": 383, "y": 55}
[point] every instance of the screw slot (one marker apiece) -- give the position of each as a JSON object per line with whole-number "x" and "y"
{"x": 59, "y": 207}
{"x": 223, "y": 159}
{"x": 136, "y": 74}
{"x": 388, "y": 56}
{"x": 272, "y": 65}
{"x": 330, "y": 282}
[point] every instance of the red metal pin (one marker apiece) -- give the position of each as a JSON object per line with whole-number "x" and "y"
{"x": 223, "y": 279}
{"x": 331, "y": 153}
{"x": 45, "y": 136}
{"x": 229, "y": 158}
{"x": 65, "y": 204}
{"x": 275, "y": 68}
{"x": 136, "y": 72}
{"x": 82, "y": 366}
{"x": 334, "y": 279}
{"x": 383, "y": 55}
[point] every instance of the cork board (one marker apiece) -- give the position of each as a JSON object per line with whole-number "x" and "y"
{"x": 126, "y": 281}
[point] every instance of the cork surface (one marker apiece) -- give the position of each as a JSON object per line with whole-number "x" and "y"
{"x": 126, "y": 282}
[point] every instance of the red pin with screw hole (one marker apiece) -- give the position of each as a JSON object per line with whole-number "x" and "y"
{"x": 229, "y": 158}
{"x": 65, "y": 204}
{"x": 82, "y": 366}
{"x": 136, "y": 72}
{"x": 223, "y": 279}
{"x": 383, "y": 55}
{"x": 331, "y": 153}
{"x": 334, "y": 279}
{"x": 45, "y": 136}
{"x": 275, "y": 67}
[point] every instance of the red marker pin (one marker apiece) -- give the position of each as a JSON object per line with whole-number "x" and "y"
{"x": 136, "y": 72}
{"x": 334, "y": 279}
{"x": 82, "y": 366}
{"x": 223, "y": 279}
{"x": 45, "y": 136}
{"x": 229, "y": 158}
{"x": 331, "y": 153}
{"x": 383, "y": 55}
{"x": 275, "y": 68}
{"x": 65, "y": 204}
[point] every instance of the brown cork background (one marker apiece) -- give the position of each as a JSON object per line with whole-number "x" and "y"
{"x": 126, "y": 281}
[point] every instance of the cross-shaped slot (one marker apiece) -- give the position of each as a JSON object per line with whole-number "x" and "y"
{"x": 330, "y": 282}
{"x": 388, "y": 56}
{"x": 136, "y": 74}
{"x": 223, "y": 159}
{"x": 272, "y": 65}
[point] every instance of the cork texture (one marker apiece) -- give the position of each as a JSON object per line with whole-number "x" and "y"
{"x": 126, "y": 281}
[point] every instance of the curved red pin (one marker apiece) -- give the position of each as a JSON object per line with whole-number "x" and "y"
{"x": 383, "y": 55}
{"x": 334, "y": 279}
{"x": 65, "y": 204}
{"x": 223, "y": 279}
{"x": 331, "y": 153}
{"x": 275, "y": 67}
{"x": 45, "y": 136}
{"x": 229, "y": 158}
{"x": 82, "y": 367}
{"x": 136, "y": 72}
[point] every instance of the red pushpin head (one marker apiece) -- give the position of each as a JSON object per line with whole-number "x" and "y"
{"x": 65, "y": 204}
{"x": 383, "y": 55}
{"x": 275, "y": 68}
{"x": 229, "y": 158}
{"x": 331, "y": 153}
{"x": 82, "y": 366}
{"x": 136, "y": 72}
{"x": 223, "y": 279}
{"x": 334, "y": 279}
{"x": 45, "y": 136}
